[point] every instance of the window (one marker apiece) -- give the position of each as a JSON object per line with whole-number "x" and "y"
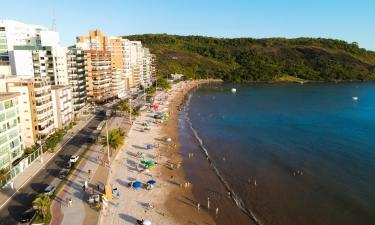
{"x": 8, "y": 104}
{"x": 3, "y": 139}
{"x": 4, "y": 148}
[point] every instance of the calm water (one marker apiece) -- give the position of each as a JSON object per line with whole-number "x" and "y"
{"x": 266, "y": 133}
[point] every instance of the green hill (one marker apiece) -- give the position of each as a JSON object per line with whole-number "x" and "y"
{"x": 271, "y": 59}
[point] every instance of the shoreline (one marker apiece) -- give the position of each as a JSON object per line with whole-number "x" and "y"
{"x": 211, "y": 188}
{"x": 181, "y": 202}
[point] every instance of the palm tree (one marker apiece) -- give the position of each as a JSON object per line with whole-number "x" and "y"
{"x": 115, "y": 139}
{"x": 136, "y": 112}
{"x": 42, "y": 203}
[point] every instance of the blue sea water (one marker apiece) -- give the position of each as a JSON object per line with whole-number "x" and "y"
{"x": 293, "y": 154}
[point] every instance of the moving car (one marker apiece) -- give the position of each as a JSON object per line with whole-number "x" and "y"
{"x": 49, "y": 190}
{"x": 74, "y": 158}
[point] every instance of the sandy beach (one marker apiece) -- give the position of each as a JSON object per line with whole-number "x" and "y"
{"x": 170, "y": 201}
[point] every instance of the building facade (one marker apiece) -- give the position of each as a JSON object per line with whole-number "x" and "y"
{"x": 11, "y": 147}
{"x": 62, "y": 106}
{"x": 98, "y": 75}
{"x": 27, "y": 107}
{"x": 77, "y": 77}
{"x": 13, "y": 33}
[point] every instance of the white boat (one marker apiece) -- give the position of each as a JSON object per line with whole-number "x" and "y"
{"x": 355, "y": 98}
{"x": 234, "y": 90}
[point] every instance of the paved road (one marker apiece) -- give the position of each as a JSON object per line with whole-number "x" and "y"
{"x": 22, "y": 201}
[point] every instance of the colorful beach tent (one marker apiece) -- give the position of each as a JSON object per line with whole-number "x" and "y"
{"x": 152, "y": 182}
{"x": 137, "y": 185}
{"x": 150, "y": 163}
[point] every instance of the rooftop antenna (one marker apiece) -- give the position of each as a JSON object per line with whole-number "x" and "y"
{"x": 53, "y": 26}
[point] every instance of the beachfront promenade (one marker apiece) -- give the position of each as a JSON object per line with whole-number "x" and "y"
{"x": 79, "y": 212}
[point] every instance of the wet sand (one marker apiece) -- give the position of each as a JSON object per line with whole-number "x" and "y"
{"x": 205, "y": 185}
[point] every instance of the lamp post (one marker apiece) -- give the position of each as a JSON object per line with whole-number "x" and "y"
{"x": 130, "y": 110}
{"x": 109, "y": 159}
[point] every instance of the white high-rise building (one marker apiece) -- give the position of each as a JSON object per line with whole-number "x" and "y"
{"x": 62, "y": 106}
{"x": 127, "y": 64}
{"x": 13, "y": 33}
{"x": 19, "y": 43}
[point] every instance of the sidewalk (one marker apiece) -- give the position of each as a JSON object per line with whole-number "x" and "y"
{"x": 38, "y": 164}
{"x": 80, "y": 212}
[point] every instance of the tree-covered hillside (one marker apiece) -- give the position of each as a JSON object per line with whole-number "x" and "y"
{"x": 272, "y": 59}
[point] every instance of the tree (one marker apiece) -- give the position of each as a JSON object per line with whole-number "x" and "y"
{"x": 42, "y": 203}
{"x": 115, "y": 139}
{"x": 135, "y": 112}
{"x": 163, "y": 83}
{"x": 123, "y": 106}
{"x": 151, "y": 90}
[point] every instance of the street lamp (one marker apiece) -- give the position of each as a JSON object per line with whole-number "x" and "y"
{"x": 130, "y": 110}
{"x": 109, "y": 159}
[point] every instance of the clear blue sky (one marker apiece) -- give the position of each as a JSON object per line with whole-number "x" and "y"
{"x": 340, "y": 19}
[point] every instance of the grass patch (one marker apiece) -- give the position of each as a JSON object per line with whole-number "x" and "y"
{"x": 287, "y": 78}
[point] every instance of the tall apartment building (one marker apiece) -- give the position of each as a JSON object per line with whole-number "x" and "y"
{"x": 77, "y": 77}
{"x": 27, "y": 106}
{"x": 136, "y": 54}
{"x": 153, "y": 68}
{"x": 126, "y": 50}
{"x": 104, "y": 66}
{"x": 99, "y": 75}
{"x": 146, "y": 71}
{"x": 44, "y": 108}
{"x": 16, "y": 33}
{"x": 10, "y": 130}
{"x": 62, "y": 106}
{"x": 119, "y": 84}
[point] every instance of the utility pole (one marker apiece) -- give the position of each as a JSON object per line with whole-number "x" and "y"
{"x": 109, "y": 159}
{"x": 144, "y": 93}
{"x": 130, "y": 110}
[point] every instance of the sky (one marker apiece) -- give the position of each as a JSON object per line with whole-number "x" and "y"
{"x": 349, "y": 20}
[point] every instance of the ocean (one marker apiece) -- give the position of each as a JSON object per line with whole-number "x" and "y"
{"x": 287, "y": 153}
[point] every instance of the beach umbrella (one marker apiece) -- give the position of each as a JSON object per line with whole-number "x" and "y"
{"x": 150, "y": 163}
{"x": 137, "y": 185}
{"x": 150, "y": 146}
{"x": 146, "y": 222}
{"x": 152, "y": 182}
{"x": 143, "y": 162}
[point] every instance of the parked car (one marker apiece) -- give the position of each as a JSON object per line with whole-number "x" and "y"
{"x": 158, "y": 116}
{"x": 62, "y": 174}
{"x": 74, "y": 158}
{"x": 28, "y": 216}
{"x": 49, "y": 190}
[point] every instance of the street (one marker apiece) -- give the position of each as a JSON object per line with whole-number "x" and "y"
{"x": 23, "y": 199}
